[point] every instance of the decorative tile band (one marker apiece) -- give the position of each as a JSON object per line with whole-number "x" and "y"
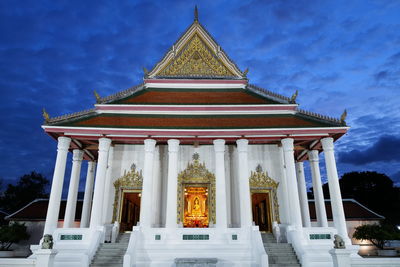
{"x": 196, "y": 237}
{"x": 71, "y": 237}
{"x": 320, "y": 236}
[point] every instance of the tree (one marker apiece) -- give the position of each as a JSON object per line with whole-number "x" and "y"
{"x": 12, "y": 233}
{"x": 374, "y": 190}
{"x": 376, "y": 234}
{"x": 28, "y": 188}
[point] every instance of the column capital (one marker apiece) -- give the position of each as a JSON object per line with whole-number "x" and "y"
{"x": 149, "y": 145}
{"x": 287, "y": 144}
{"x": 327, "y": 143}
{"x": 63, "y": 143}
{"x": 219, "y": 145}
{"x": 313, "y": 156}
{"x": 104, "y": 144}
{"x": 77, "y": 155}
{"x": 173, "y": 145}
{"x": 242, "y": 145}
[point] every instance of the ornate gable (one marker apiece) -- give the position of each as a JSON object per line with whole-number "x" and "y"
{"x": 196, "y": 55}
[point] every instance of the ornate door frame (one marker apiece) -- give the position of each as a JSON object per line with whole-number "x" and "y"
{"x": 260, "y": 182}
{"x": 130, "y": 182}
{"x": 196, "y": 173}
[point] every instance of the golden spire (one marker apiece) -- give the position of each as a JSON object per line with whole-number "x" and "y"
{"x": 98, "y": 97}
{"x": 196, "y": 14}
{"x": 46, "y": 115}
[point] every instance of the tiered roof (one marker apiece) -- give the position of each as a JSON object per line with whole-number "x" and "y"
{"x": 195, "y": 93}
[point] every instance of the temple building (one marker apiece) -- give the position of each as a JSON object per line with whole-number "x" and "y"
{"x": 195, "y": 164}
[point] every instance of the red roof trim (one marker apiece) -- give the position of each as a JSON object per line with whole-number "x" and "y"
{"x": 196, "y": 81}
{"x": 196, "y": 108}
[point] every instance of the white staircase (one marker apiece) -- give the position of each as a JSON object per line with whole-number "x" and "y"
{"x": 279, "y": 254}
{"x": 111, "y": 254}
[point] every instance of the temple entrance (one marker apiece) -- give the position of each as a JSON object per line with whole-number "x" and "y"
{"x": 196, "y": 206}
{"x": 130, "y": 211}
{"x": 126, "y": 208}
{"x": 264, "y": 200}
{"x": 261, "y": 207}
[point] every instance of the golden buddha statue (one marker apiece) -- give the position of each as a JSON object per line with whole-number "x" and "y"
{"x": 196, "y": 211}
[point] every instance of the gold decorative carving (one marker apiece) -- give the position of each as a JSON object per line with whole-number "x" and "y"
{"x": 196, "y": 59}
{"x": 196, "y": 173}
{"x": 132, "y": 179}
{"x": 262, "y": 183}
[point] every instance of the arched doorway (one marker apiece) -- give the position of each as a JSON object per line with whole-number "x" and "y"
{"x": 196, "y": 195}
{"x": 265, "y": 207}
{"x": 128, "y": 190}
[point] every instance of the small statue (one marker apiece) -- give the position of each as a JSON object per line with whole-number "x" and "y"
{"x": 338, "y": 242}
{"x": 47, "y": 242}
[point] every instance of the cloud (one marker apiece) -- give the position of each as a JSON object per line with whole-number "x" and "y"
{"x": 385, "y": 149}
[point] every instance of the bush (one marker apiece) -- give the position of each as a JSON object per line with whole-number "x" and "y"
{"x": 376, "y": 234}
{"x": 12, "y": 233}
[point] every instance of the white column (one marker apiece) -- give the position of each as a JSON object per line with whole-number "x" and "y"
{"x": 87, "y": 199}
{"x": 244, "y": 183}
{"x": 98, "y": 197}
{"x": 147, "y": 188}
{"x": 288, "y": 153}
{"x": 302, "y": 188}
{"x": 108, "y": 189}
{"x": 334, "y": 189}
{"x": 284, "y": 199}
{"x": 220, "y": 185}
{"x": 70, "y": 209}
{"x": 171, "y": 216}
{"x": 317, "y": 189}
{"x": 57, "y": 185}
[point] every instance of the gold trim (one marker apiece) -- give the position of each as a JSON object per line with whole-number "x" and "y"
{"x": 260, "y": 182}
{"x": 196, "y": 173}
{"x": 196, "y": 58}
{"x": 132, "y": 180}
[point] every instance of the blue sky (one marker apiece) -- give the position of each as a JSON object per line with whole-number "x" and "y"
{"x": 338, "y": 54}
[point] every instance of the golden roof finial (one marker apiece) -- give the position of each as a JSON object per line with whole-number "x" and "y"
{"x": 294, "y": 96}
{"x": 46, "y": 115}
{"x": 98, "y": 97}
{"x": 196, "y": 14}
{"x": 343, "y": 117}
{"x": 245, "y": 72}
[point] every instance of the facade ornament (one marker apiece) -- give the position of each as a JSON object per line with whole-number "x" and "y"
{"x": 46, "y": 115}
{"x": 293, "y": 98}
{"x": 98, "y": 97}
{"x": 132, "y": 179}
{"x": 196, "y": 59}
{"x": 196, "y": 173}
{"x": 47, "y": 242}
{"x": 261, "y": 179}
{"x": 338, "y": 242}
{"x": 343, "y": 117}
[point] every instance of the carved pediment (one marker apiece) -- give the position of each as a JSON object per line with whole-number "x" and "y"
{"x": 132, "y": 178}
{"x": 196, "y": 59}
{"x": 196, "y": 55}
{"x": 261, "y": 179}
